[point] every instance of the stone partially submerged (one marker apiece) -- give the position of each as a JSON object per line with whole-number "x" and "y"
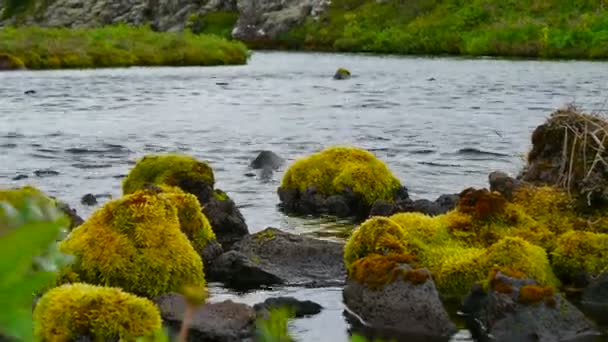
{"x": 273, "y": 257}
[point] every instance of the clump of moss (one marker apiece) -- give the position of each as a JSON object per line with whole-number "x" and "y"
{"x": 533, "y": 294}
{"x": 135, "y": 243}
{"x": 580, "y": 251}
{"x": 178, "y": 170}
{"x": 101, "y": 313}
{"x": 377, "y": 270}
{"x": 336, "y": 169}
{"x": 377, "y": 235}
{"x": 192, "y": 221}
{"x": 481, "y": 203}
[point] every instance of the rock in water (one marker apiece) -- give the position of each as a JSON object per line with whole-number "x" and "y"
{"x": 88, "y": 199}
{"x": 404, "y": 306}
{"x": 225, "y": 321}
{"x": 342, "y": 74}
{"x": 301, "y": 308}
{"x": 267, "y": 160}
{"x": 520, "y": 310}
{"x": 275, "y": 257}
{"x": 226, "y": 219}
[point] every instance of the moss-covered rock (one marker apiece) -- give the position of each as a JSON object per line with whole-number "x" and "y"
{"x": 100, "y": 313}
{"x": 342, "y": 74}
{"x": 135, "y": 243}
{"x": 9, "y": 62}
{"x": 351, "y": 172}
{"x": 178, "y": 170}
{"x": 579, "y": 251}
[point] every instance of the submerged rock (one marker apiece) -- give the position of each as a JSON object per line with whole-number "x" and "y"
{"x": 300, "y": 308}
{"x": 517, "y": 309}
{"x": 267, "y": 160}
{"x": 226, "y": 321}
{"x": 89, "y": 199}
{"x": 46, "y": 173}
{"x": 342, "y": 74}
{"x": 276, "y": 257}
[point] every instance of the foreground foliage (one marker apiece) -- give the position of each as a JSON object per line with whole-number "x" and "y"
{"x": 116, "y": 46}
{"x": 529, "y": 28}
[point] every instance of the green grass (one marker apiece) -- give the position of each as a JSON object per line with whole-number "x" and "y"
{"x": 511, "y": 28}
{"x": 116, "y": 46}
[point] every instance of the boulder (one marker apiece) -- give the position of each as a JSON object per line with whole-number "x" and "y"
{"x": 402, "y": 305}
{"x": 226, "y": 219}
{"x": 265, "y": 20}
{"x": 267, "y": 160}
{"x": 225, "y": 321}
{"x": 301, "y": 308}
{"x": 276, "y": 257}
{"x": 503, "y": 183}
{"x": 517, "y": 309}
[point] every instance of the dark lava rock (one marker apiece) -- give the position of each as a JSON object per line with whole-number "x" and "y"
{"x": 313, "y": 202}
{"x": 276, "y": 257}
{"x": 211, "y": 251}
{"x": 501, "y": 316}
{"x": 226, "y": 321}
{"x": 301, "y": 308}
{"x": 20, "y": 177}
{"x": 267, "y": 160}
{"x": 30, "y": 92}
{"x": 75, "y": 220}
{"x": 225, "y": 218}
{"x": 46, "y": 173}
{"x": 441, "y": 205}
{"x": 401, "y": 306}
{"x": 595, "y": 299}
{"x": 503, "y": 183}
{"x": 89, "y": 199}
{"x": 383, "y": 208}
{"x": 237, "y": 271}
{"x": 337, "y": 205}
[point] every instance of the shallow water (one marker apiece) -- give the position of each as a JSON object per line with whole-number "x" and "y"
{"x": 441, "y": 124}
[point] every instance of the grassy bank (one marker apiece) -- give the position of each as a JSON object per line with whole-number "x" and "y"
{"x": 518, "y": 28}
{"x": 116, "y": 46}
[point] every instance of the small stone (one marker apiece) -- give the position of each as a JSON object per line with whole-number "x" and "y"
{"x": 20, "y": 177}
{"x": 89, "y": 199}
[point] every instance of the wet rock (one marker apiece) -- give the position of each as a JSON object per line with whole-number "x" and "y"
{"x": 337, "y": 205}
{"x": 312, "y": 202}
{"x": 89, "y": 199}
{"x": 441, "y": 205}
{"x": 503, "y": 183}
{"x": 20, "y": 177}
{"x": 507, "y": 315}
{"x": 30, "y": 92}
{"x": 225, "y": 321}
{"x": 75, "y": 220}
{"x": 383, "y": 208}
{"x": 342, "y": 74}
{"x": 301, "y": 308}
{"x": 276, "y": 257}
{"x": 265, "y": 20}
{"x": 595, "y": 299}
{"x": 267, "y": 160}
{"x": 250, "y": 174}
{"x": 401, "y": 306}
{"x": 211, "y": 251}
{"x": 226, "y": 219}
{"x": 239, "y": 272}
{"x": 8, "y": 62}
{"x": 46, "y": 173}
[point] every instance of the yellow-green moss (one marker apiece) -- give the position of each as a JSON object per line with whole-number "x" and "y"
{"x": 580, "y": 251}
{"x": 377, "y": 235}
{"x": 170, "y": 169}
{"x": 337, "y": 168}
{"x": 522, "y": 256}
{"x": 135, "y": 243}
{"x": 11, "y": 62}
{"x": 101, "y": 313}
{"x": 192, "y": 221}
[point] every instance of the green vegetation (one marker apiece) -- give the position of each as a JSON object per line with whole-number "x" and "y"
{"x": 526, "y": 28}
{"x": 116, "y": 46}
{"x": 337, "y": 168}
{"x": 134, "y": 243}
{"x": 29, "y": 229}
{"x": 170, "y": 169}
{"x": 101, "y": 313}
{"x": 219, "y": 23}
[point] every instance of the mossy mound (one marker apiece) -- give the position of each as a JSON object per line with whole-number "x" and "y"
{"x": 22, "y": 198}
{"x": 178, "y": 170}
{"x": 377, "y": 249}
{"x": 569, "y": 152}
{"x": 192, "y": 221}
{"x": 134, "y": 243}
{"x": 579, "y": 251}
{"x": 100, "y": 313}
{"x": 347, "y": 171}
